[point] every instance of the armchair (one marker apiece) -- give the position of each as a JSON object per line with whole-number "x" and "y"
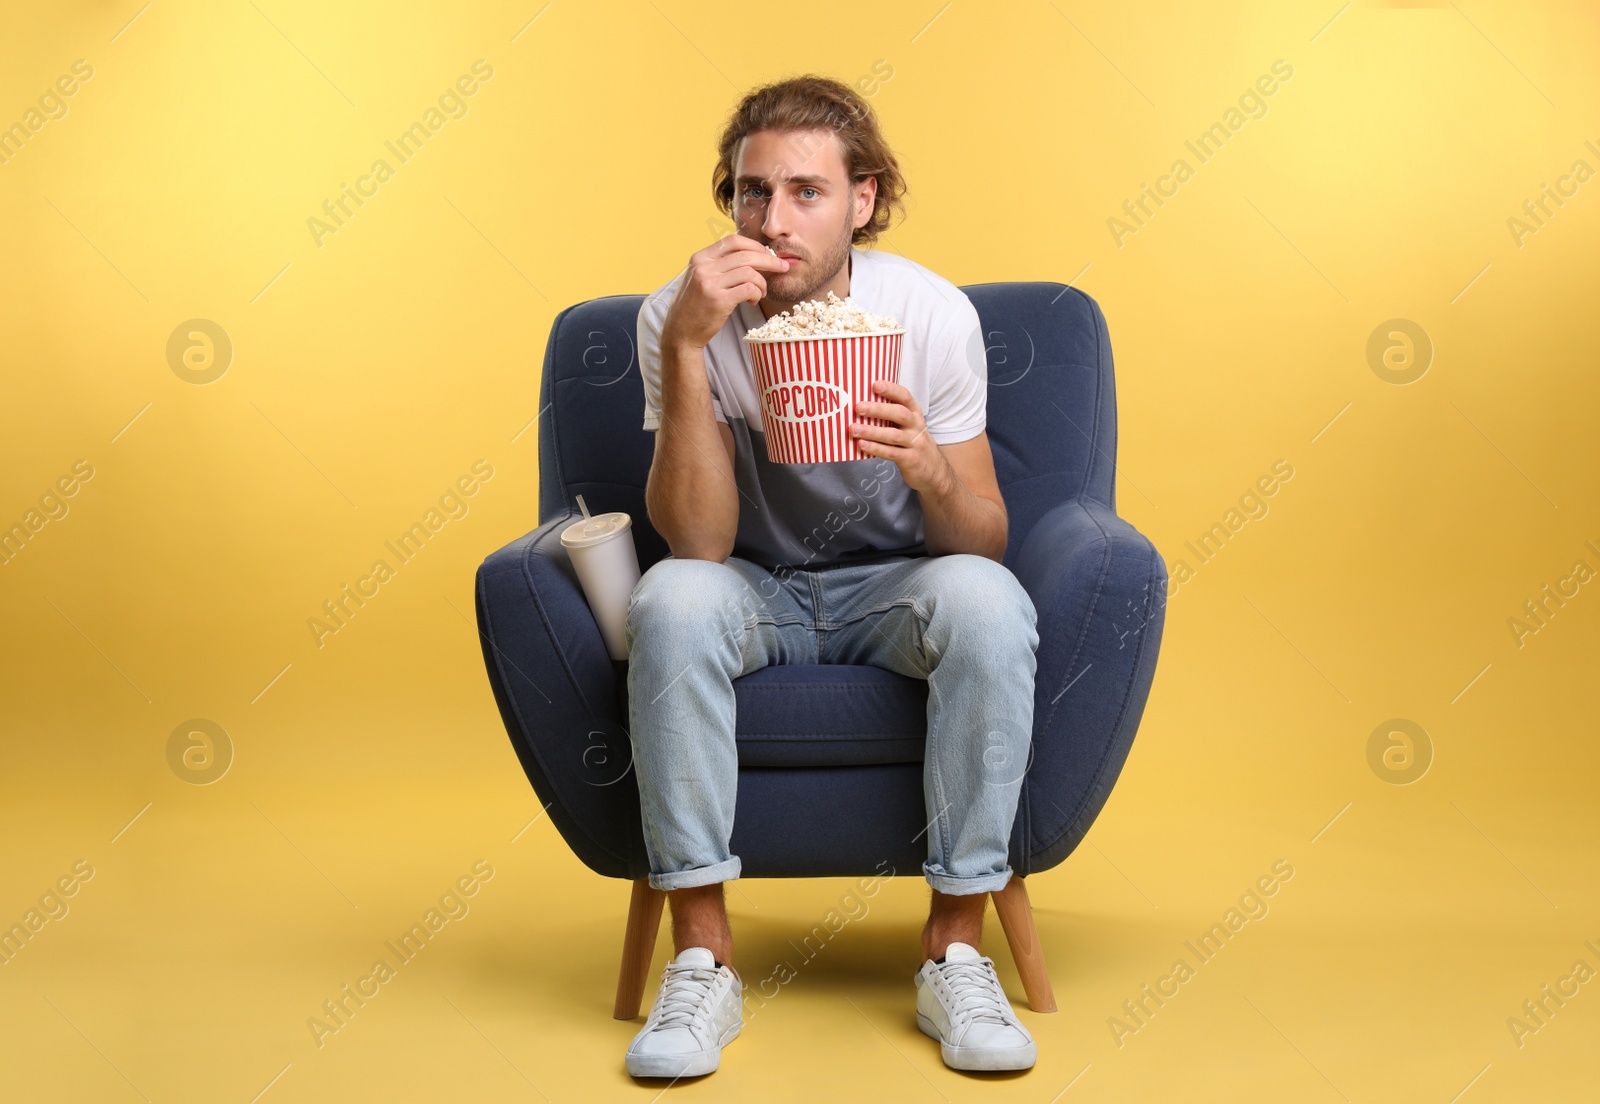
{"x": 830, "y": 756}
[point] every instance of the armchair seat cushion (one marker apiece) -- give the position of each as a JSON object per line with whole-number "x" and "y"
{"x": 829, "y": 715}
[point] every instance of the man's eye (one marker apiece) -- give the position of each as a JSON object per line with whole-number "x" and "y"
{"x": 810, "y": 190}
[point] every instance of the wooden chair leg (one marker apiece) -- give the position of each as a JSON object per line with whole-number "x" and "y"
{"x": 638, "y": 946}
{"x": 1016, "y": 917}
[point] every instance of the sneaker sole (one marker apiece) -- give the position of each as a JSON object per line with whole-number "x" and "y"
{"x": 979, "y": 1058}
{"x": 680, "y": 1065}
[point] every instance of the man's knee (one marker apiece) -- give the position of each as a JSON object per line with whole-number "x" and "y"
{"x": 970, "y": 588}
{"x": 693, "y": 596}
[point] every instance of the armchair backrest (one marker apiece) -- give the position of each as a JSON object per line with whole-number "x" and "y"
{"x": 1052, "y": 413}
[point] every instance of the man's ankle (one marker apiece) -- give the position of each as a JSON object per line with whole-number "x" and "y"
{"x": 935, "y": 948}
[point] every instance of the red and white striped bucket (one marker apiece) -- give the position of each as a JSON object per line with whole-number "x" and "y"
{"x": 810, "y": 387}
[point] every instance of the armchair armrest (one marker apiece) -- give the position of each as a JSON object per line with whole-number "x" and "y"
{"x": 1100, "y": 590}
{"x": 557, "y": 689}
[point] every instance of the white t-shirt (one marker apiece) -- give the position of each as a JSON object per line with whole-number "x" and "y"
{"x": 807, "y": 515}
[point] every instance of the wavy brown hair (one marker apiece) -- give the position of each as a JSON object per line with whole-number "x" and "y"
{"x": 811, "y": 103}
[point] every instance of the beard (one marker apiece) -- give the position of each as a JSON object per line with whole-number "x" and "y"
{"x": 796, "y": 286}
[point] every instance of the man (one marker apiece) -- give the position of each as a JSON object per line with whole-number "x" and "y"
{"x": 893, "y": 561}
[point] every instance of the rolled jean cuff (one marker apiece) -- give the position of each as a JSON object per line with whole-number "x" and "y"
{"x": 725, "y": 871}
{"x": 960, "y": 887}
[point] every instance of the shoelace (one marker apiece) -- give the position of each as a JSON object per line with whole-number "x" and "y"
{"x": 683, "y": 1000}
{"x": 977, "y": 992}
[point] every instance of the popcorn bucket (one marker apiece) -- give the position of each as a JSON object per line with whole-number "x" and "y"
{"x": 810, "y": 387}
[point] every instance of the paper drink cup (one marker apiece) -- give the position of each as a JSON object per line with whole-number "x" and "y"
{"x": 602, "y": 552}
{"x": 810, "y": 387}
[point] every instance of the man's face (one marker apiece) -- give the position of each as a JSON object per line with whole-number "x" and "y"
{"x": 791, "y": 193}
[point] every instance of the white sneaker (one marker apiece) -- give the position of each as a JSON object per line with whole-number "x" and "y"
{"x": 960, "y": 1003}
{"x": 699, "y": 1008}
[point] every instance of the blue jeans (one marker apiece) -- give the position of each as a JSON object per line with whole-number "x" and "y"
{"x": 960, "y": 621}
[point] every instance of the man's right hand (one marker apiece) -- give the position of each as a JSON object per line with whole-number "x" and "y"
{"x": 724, "y": 274}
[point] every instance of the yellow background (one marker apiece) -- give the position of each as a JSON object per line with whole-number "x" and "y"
{"x": 373, "y": 370}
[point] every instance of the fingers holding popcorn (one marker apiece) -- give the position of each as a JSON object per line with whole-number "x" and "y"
{"x": 906, "y": 442}
{"x": 898, "y": 405}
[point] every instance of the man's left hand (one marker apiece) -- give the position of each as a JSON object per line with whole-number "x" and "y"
{"x": 906, "y": 442}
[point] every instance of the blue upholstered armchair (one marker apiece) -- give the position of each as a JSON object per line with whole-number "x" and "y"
{"x": 830, "y": 756}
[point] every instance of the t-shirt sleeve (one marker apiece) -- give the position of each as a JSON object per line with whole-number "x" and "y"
{"x": 958, "y": 401}
{"x": 652, "y": 316}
